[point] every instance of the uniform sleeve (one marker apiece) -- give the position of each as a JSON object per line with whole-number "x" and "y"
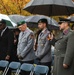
{"x": 69, "y": 50}
{"x": 10, "y": 43}
{"x": 53, "y": 41}
{"x": 29, "y": 46}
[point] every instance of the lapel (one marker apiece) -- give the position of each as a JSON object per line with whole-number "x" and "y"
{"x": 65, "y": 34}
{"x": 42, "y": 34}
{"x": 67, "y": 31}
{"x": 25, "y": 35}
{"x": 5, "y": 32}
{"x": 22, "y": 36}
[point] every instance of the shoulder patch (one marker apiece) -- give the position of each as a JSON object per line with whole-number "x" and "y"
{"x": 31, "y": 36}
{"x": 50, "y": 36}
{"x": 47, "y": 31}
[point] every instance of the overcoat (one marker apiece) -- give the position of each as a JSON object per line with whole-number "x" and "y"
{"x": 6, "y": 44}
{"x": 64, "y": 54}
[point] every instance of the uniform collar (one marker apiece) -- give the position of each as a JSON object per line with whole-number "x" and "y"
{"x": 3, "y": 31}
{"x": 43, "y": 31}
{"x": 66, "y": 31}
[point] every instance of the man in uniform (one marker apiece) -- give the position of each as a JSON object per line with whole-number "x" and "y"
{"x": 64, "y": 50}
{"x": 43, "y": 52}
{"x": 25, "y": 50}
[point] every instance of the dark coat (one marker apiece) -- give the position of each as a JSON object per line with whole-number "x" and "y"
{"x": 64, "y": 54}
{"x": 6, "y": 44}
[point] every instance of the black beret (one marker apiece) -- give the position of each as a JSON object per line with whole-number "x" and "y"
{"x": 43, "y": 20}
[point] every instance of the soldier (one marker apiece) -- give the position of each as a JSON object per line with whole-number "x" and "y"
{"x": 25, "y": 50}
{"x": 64, "y": 50}
{"x": 43, "y": 52}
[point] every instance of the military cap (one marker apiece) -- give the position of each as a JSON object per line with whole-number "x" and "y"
{"x": 2, "y": 22}
{"x": 21, "y": 23}
{"x": 43, "y": 20}
{"x": 62, "y": 20}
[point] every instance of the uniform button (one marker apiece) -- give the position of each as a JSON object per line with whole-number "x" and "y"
{"x": 58, "y": 50}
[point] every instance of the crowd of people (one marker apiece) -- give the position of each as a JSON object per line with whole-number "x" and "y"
{"x": 23, "y": 46}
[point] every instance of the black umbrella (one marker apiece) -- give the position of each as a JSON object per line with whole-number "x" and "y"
{"x": 36, "y": 18}
{"x": 35, "y": 25}
{"x": 33, "y": 20}
{"x": 50, "y": 7}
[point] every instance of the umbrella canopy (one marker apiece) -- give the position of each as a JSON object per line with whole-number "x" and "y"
{"x": 50, "y": 7}
{"x": 16, "y": 18}
{"x": 32, "y": 21}
{"x": 9, "y": 23}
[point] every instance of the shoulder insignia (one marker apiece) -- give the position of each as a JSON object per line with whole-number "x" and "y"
{"x": 31, "y": 36}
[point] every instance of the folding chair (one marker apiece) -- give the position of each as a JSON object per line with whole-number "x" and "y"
{"x": 27, "y": 68}
{"x": 14, "y": 67}
{"x": 3, "y": 66}
{"x": 39, "y": 69}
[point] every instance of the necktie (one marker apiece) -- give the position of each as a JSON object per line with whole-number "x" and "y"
{"x": 22, "y": 34}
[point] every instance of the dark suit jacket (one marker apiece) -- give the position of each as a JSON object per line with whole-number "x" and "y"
{"x": 6, "y": 44}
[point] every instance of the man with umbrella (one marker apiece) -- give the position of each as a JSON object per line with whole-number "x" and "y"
{"x": 43, "y": 52}
{"x": 64, "y": 50}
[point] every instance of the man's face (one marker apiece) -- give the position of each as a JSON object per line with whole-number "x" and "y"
{"x": 22, "y": 27}
{"x": 41, "y": 25}
{"x": 62, "y": 26}
{"x": 2, "y": 26}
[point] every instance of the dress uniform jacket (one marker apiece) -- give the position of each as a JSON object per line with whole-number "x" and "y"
{"x": 43, "y": 51}
{"x": 64, "y": 54}
{"x": 25, "y": 45}
{"x": 6, "y": 43}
